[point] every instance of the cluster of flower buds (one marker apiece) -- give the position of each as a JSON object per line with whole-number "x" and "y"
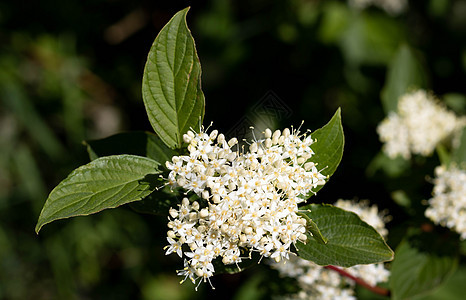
{"x": 448, "y": 204}
{"x": 418, "y": 126}
{"x": 248, "y": 200}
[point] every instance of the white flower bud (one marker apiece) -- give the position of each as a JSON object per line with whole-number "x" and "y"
{"x": 308, "y": 166}
{"x": 253, "y": 148}
{"x": 182, "y": 240}
{"x": 224, "y": 227}
{"x": 286, "y": 132}
{"x": 220, "y": 138}
{"x": 248, "y": 230}
{"x": 192, "y": 217}
{"x": 302, "y": 238}
{"x": 232, "y": 142}
{"x": 268, "y": 133}
{"x": 276, "y": 134}
{"x": 232, "y": 186}
{"x": 193, "y": 246}
{"x": 204, "y": 213}
{"x": 205, "y": 194}
{"x": 268, "y": 143}
{"x": 185, "y": 202}
{"x": 173, "y": 213}
{"x": 301, "y": 160}
{"x": 171, "y": 234}
{"x": 199, "y": 272}
{"x": 195, "y": 205}
{"x": 191, "y": 134}
{"x": 243, "y": 238}
{"x": 216, "y": 199}
{"x": 186, "y": 138}
{"x": 213, "y": 134}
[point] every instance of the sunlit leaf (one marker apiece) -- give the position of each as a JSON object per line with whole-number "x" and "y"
{"x": 171, "y": 85}
{"x": 106, "y": 182}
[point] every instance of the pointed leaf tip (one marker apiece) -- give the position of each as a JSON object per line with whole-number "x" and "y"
{"x": 171, "y": 86}
{"x": 106, "y": 182}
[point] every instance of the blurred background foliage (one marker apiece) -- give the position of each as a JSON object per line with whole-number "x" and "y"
{"x": 71, "y": 71}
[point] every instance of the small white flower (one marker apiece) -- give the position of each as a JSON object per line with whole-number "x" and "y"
{"x": 419, "y": 124}
{"x": 447, "y": 207}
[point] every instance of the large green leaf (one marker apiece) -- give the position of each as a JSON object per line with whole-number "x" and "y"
{"x": 350, "y": 240}
{"x": 136, "y": 143}
{"x": 171, "y": 85}
{"x": 106, "y": 182}
{"x": 329, "y": 146}
{"x": 405, "y": 72}
{"x": 453, "y": 289}
{"x": 416, "y": 272}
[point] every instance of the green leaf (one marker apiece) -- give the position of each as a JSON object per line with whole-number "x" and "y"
{"x": 350, "y": 240}
{"x": 158, "y": 202}
{"x": 136, "y": 143}
{"x": 405, "y": 73}
{"x": 392, "y": 167}
{"x": 106, "y": 182}
{"x": 456, "y": 102}
{"x": 416, "y": 272}
{"x": 329, "y": 146}
{"x": 459, "y": 153}
{"x": 171, "y": 85}
{"x": 370, "y": 39}
{"x": 451, "y": 290}
{"x": 311, "y": 226}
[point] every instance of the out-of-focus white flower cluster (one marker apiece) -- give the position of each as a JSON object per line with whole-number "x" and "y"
{"x": 448, "y": 204}
{"x": 393, "y": 7}
{"x": 418, "y": 126}
{"x": 251, "y": 198}
{"x": 317, "y": 282}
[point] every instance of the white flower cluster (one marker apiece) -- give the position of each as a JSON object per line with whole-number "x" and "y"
{"x": 317, "y": 282}
{"x": 393, "y": 7}
{"x": 251, "y": 198}
{"x": 448, "y": 205}
{"x": 418, "y": 126}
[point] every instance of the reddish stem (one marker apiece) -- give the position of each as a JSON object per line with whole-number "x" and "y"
{"x": 374, "y": 289}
